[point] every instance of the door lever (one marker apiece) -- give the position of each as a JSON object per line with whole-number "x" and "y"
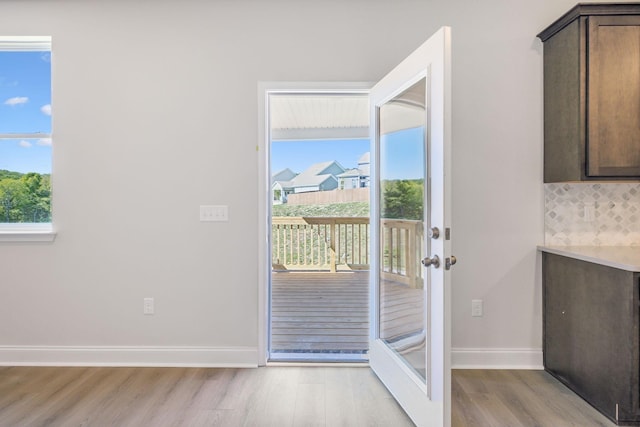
{"x": 433, "y": 261}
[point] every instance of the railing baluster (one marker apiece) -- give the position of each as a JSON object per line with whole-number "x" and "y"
{"x": 325, "y": 243}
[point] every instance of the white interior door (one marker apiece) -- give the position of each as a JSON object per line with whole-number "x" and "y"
{"x": 411, "y": 227}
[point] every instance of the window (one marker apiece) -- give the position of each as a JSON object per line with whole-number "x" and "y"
{"x": 25, "y": 138}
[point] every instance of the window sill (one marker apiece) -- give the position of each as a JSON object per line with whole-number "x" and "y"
{"x": 26, "y": 233}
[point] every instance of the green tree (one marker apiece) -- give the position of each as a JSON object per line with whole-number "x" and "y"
{"x": 25, "y": 197}
{"x": 37, "y": 205}
{"x": 402, "y": 199}
{"x": 12, "y": 199}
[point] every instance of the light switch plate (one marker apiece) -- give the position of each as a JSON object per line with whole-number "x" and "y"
{"x": 214, "y": 213}
{"x": 476, "y": 308}
{"x": 149, "y": 306}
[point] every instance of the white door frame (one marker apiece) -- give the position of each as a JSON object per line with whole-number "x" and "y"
{"x": 264, "y": 186}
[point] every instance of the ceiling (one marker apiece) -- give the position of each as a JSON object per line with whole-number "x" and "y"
{"x": 319, "y": 116}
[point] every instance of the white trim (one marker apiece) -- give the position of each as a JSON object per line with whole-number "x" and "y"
{"x": 496, "y": 358}
{"x": 27, "y": 236}
{"x": 32, "y": 135}
{"x": 240, "y": 357}
{"x": 25, "y": 43}
{"x": 26, "y": 232}
{"x": 264, "y": 185}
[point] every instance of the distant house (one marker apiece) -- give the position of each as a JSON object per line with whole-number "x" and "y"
{"x": 317, "y": 177}
{"x": 284, "y": 175}
{"x": 280, "y": 183}
{"x": 358, "y": 177}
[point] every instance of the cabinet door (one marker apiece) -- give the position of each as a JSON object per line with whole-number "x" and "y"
{"x": 613, "y": 104}
{"x": 591, "y": 332}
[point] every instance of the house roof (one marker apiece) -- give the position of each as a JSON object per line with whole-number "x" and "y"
{"x": 350, "y": 172}
{"x": 365, "y": 158}
{"x": 312, "y": 176}
{"x": 319, "y": 168}
{"x": 312, "y": 181}
{"x": 284, "y": 175}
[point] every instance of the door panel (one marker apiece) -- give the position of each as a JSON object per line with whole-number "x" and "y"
{"x": 402, "y": 315}
{"x": 410, "y": 316}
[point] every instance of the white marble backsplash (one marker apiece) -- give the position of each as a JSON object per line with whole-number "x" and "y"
{"x": 592, "y": 214}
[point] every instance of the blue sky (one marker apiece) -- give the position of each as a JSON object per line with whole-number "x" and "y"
{"x": 25, "y": 107}
{"x": 402, "y": 154}
{"x": 299, "y": 155}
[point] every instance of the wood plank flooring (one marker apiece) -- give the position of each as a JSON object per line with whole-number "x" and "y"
{"x": 516, "y": 398}
{"x": 329, "y": 312}
{"x": 273, "y": 396}
{"x": 158, "y": 397}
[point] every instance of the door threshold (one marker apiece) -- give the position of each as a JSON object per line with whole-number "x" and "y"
{"x": 310, "y": 357}
{"x": 354, "y": 364}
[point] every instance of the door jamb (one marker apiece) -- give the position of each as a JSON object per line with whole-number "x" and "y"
{"x": 264, "y": 188}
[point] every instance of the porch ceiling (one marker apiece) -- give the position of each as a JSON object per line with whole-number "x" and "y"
{"x": 322, "y": 116}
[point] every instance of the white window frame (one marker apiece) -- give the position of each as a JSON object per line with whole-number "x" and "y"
{"x": 26, "y": 232}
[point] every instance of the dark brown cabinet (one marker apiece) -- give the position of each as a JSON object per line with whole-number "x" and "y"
{"x": 591, "y": 334}
{"x": 592, "y": 93}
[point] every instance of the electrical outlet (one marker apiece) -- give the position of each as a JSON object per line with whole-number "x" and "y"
{"x": 476, "y": 308}
{"x": 214, "y": 213}
{"x": 148, "y": 307}
{"x": 589, "y": 212}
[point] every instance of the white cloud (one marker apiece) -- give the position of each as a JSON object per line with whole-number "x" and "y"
{"x": 16, "y": 100}
{"x": 25, "y": 144}
{"x": 45, "y": 142}
{"x": 46, "y": 109}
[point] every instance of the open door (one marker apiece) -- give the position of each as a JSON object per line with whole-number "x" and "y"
{"x": 411, "y": 231}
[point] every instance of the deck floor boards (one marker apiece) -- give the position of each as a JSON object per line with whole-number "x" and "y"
{"x": 329, "y": 312}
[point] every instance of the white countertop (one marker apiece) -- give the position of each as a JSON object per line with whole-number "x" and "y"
{"x": 622, "y": 257}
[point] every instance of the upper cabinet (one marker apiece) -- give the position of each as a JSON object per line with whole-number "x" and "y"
{"x": 592, "y": 93}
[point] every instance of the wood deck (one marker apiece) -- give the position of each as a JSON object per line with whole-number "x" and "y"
{"x": 319, "y": 312}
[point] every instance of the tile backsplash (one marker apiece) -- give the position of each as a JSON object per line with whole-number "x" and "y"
{"x": 592, "y": 214}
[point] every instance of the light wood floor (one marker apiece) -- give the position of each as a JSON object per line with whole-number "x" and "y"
{"x": 514, "y": 398}
{"x": 158, "y": 397}
{"x": 273, "y": 396}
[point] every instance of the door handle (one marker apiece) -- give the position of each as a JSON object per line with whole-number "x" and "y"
{"x": 434, "y": 232}
{"x": 433, "y": 261}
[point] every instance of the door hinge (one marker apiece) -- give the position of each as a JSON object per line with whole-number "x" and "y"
{"x": 617, "y": 412}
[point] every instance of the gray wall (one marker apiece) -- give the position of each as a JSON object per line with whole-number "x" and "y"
{"x": 155, "y": 107}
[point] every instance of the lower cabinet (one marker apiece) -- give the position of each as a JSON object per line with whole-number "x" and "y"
{"x": 591, "y": 333}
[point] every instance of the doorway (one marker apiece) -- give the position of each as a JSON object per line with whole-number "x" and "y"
{"x": 318, "y": 230}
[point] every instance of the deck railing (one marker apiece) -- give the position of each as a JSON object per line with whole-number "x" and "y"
{"x": 401, "y": 245}
{"x": 334, "y": 243}
{"x": 317, "y": 243}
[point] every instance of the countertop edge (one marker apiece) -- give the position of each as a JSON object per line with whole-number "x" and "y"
{"x": 622, "y": 257}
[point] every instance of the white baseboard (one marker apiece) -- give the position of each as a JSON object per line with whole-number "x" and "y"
{"x": 496, "y": 358}
{"x": 240, "y": 357}
{"x": 214, "y": 357}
